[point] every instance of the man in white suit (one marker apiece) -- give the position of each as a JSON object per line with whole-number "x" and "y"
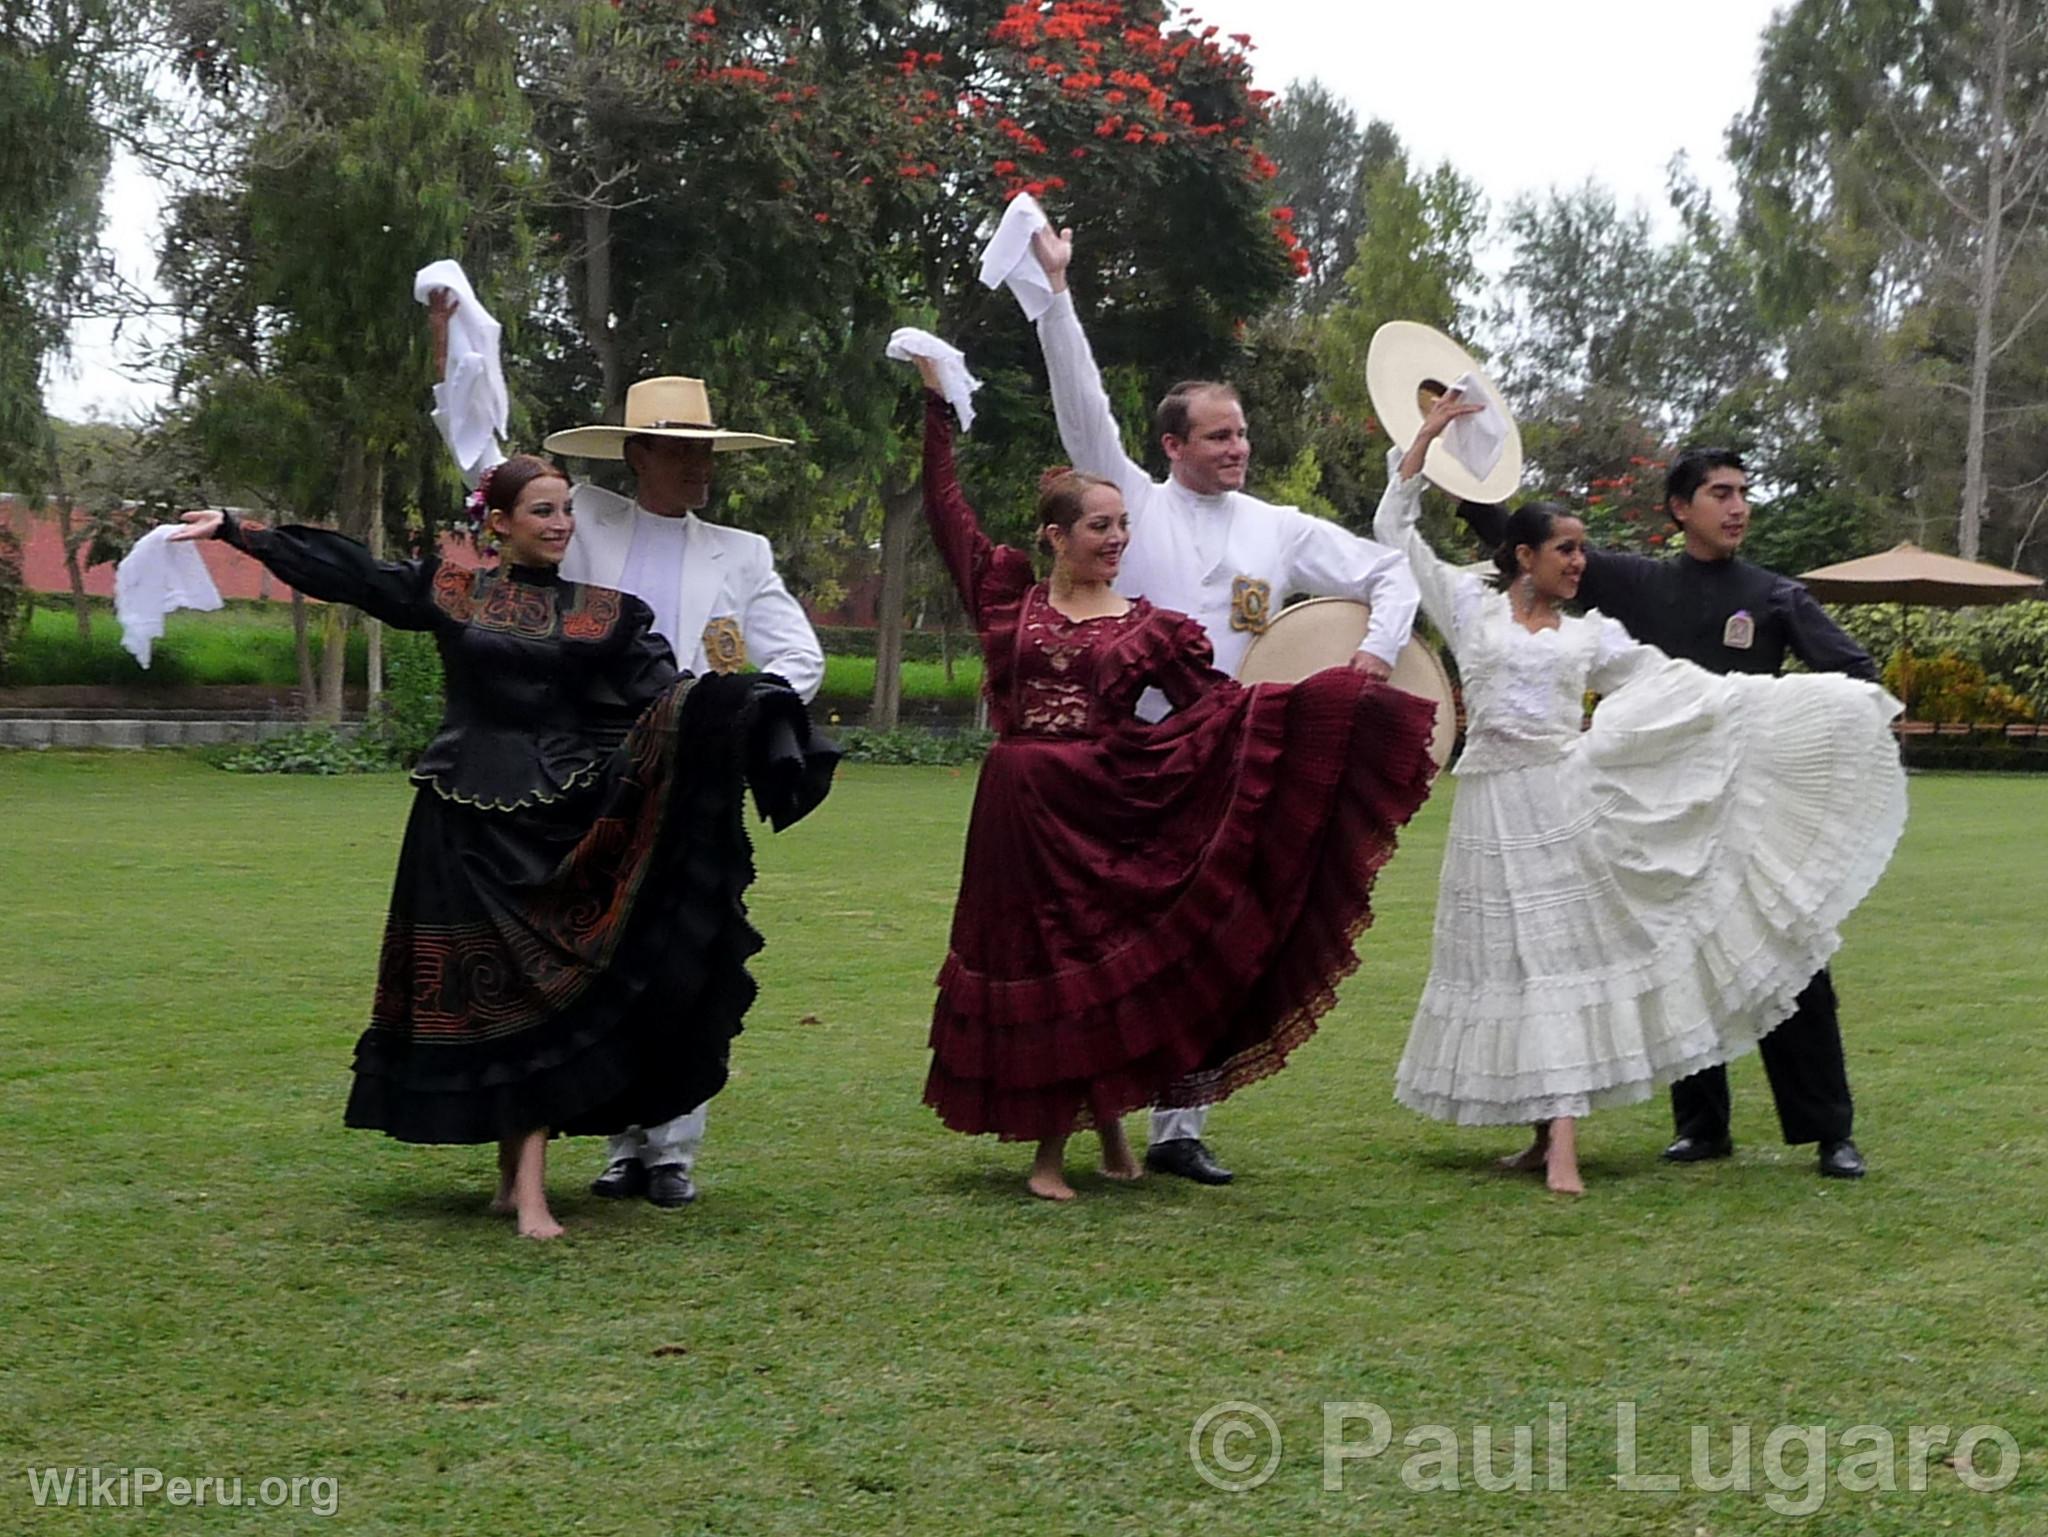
{"x": 717, "y": 601}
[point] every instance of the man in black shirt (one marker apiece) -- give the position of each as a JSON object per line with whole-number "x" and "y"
{"x": 1709, "y": 606}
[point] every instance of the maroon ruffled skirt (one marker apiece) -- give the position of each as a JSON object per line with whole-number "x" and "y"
{"x": 1160, "y": 915}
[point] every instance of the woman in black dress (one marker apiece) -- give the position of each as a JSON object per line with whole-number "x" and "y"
{"x": 566, "y": 947}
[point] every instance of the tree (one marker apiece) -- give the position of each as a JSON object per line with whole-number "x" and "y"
{"x": 1414, "y": 262}
{"x": 62, "y": 64}
{"x": 1327, "y": 168}
{"x": 368, "y": 138}
{"x": 1896, "y": 160}
{"x": 808, "y": 176}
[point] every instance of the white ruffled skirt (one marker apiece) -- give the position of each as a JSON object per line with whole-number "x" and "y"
{"x": 1651, "y": 902}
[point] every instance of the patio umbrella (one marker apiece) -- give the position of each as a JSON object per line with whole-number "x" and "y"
{"x": 1907, "y": 574}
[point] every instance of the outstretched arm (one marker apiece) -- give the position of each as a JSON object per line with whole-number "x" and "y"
{"x": 1088, "y": 428}
{"x": 329, "y": 566}
{"x": 1816, "y": 639}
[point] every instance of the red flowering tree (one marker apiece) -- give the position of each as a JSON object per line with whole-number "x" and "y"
{"x": 780, "y": 184}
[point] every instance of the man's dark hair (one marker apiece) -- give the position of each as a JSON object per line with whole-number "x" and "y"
{"x": 1689, "y": 471}
{"x": 1172, "y": 419}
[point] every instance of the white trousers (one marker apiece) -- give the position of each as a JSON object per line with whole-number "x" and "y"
{"x": 672, "y": 1142}
{"x": 1173, "y": 1125}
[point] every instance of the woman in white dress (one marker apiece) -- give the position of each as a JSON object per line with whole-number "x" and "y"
{"x": 1626, "y": 905}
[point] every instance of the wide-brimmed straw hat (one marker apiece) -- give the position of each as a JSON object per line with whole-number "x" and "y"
{"x": 1307, "y": 637}
{"x": 670, "y": 407}
{"x": 1406, "y": 368}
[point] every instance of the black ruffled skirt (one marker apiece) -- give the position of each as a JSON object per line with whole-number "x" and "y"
{"x": 581, "y": 964}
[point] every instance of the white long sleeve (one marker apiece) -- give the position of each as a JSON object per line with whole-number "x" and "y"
{"x": 1088, "y": 428}
{"x": 1449, "y": 596}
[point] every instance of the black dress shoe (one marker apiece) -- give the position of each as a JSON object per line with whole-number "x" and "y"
{"x": 1187, "y": 1157}
{"x": 669, "y": 1186}
{"x": 1840, "y": 1160}
{"x": 1698, "y": 1149}
{"x": 622, "y": 1181}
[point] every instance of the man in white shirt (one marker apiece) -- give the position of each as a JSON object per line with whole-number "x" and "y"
{"x": 1201, "y": 545}
{"x": 717, "y": 601}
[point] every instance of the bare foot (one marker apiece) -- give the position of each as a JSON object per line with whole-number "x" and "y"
{"x": 1530, "y": 1160}
{"x": 1562, "y": 1162}
{"x": 540, "y": 1225}
{"x": 502, "y": 1204}
{"x": 1118, "y": 1161}
{"x": 1049, "y": 1187}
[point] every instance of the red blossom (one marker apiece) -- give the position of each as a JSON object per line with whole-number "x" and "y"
{"x": 707, "y": 17}
{"x": 822, "y": 218}
{"x": 1004, "y": 167}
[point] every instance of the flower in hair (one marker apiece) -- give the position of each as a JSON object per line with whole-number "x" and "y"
{"x": 477, "y": 503}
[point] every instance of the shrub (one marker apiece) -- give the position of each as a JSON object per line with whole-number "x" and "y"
{"x": 307, "y": 750}
{"x": 943, "y": 749}
{"x": 2009, "y": 642}
{"x": 409, "y": 713}
{"x": 1953, "y": 688}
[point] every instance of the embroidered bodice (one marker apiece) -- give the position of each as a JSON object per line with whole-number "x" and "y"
{"x": 1048, "y": 675}
{"x": 543, "y": 676}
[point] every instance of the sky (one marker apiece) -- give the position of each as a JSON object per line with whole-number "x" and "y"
{"x": 1519, "y": 97}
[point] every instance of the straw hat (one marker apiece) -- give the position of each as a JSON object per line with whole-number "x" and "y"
{"x": 1307, "y": 637}
{"x": 1406, "y": 368}
{"x": 670, "y": 407}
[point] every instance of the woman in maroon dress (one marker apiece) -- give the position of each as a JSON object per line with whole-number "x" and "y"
{"x": 1148, "y": 914}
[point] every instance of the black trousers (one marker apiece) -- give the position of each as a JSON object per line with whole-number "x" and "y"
{"x": 1809, "y": 1079}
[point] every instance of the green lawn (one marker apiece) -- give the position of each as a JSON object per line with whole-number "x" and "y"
{"x": 863, "y": 1326}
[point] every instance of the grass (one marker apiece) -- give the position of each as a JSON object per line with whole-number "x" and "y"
{"x": 862, "y": 1326}
{"x": 252, "y": 643}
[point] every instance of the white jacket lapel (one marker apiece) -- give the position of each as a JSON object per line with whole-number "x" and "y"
{"x": 604, "y": 537}
{"x": 703, "y": 577}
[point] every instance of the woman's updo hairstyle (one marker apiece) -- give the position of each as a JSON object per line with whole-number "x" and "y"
{"x": 1060, "y": 490}
{"x": 502, "y": 485}
{"x": 1532, "y": 524}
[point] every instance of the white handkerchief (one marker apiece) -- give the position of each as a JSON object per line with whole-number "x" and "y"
{"x": 1009, "y": 258}
{"x": 470, "y": 402}
{"x": 155, "y": 578}
{"x": 956, "y": 384}
{"x": 1476, "y": 441}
